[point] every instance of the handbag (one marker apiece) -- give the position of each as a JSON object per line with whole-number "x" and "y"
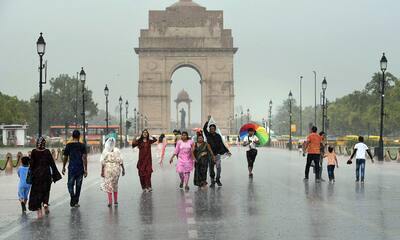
{"x": 29, "y": 177}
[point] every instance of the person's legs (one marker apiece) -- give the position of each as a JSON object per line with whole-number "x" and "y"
{"x": 211, "y": 166}
{"x": 186, "y": 178}
{"x": 317, "y": 167}
{"x": 142, "y": 182}
{"x": 362, "y": 166}
{"x": 182, "y": 178}
{"x": 249, "y": 162}
{"x": 357, "y": 170}
{"x": 71, "y": 190}
{"x": 115, "y": 197}
{"x": 308, "y": 164}
{"x": 109, "y": 195}
{"x": 218, "y": 165}
{"x": 148, "y": 181}
{"x": 78, "y": 187}
{"x": 321, "y": 166}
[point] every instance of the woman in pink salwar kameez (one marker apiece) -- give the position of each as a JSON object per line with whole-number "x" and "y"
{"x": 184, "y": 151}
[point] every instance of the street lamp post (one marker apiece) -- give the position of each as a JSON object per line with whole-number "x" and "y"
{"x": 82, "y": 77}
{"x": 120, "y": 122}
{"x": 248, "y": 115}
{"x": 301, "y": 107}
{"x": 315, "y": 98}
{"x": 241, "y": 118}
{"x": 141, "y": 122}
{"x": 324, "y": 86}
{"x": 383, "y": 66}
{"x": 269, "y": 122}
{"x": 290, "y": 119}
{"x": 236, "y": 123}
{"x": 41, "y": 48}
{"x": 126, "y": 123}
{"x": 145, "y": 122}
{"x": 76, "y": 100}
{"x": 106, "y": 93}
{"x": 138, "y": 122}
{"x": 134, "y": 122}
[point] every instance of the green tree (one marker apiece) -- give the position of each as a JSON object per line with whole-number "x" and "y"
{"x": 59, "y": 102}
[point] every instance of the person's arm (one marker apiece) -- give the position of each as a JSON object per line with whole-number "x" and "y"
{"x": 205, "y": 129}
{"x": 370, "y": 155}
{"x": 85, "y": 169}
{"x": 245, "y": 142}
{"x": 176, "y": 152}
{"x": 337, "y": 163}
{"x": 153, "y": 140}
{"x": 65, "y": 159}
{"x": 102, "y": 171}
{"x": 211, "y": 152}
{"x": 135, "y": 143}
{"x": 354, "y": 153}
{"x": 123, "y": 169}
{"x": 193, "y": 156}
{"x": 256, "y": 140}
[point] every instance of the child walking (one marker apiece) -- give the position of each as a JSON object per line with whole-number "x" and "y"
{"x": 111, "y": 165}
{"x": 360, "y": 150}
{"x": 23, "y": 187}
{"x": 332, "y": 162}
{"x": 184, "y": 152}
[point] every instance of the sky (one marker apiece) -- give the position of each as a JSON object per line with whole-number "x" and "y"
{"x": 278, "y": 41}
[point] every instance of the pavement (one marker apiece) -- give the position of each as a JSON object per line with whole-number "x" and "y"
{"x": 275, "y": 204}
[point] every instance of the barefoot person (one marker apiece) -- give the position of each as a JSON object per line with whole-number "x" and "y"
{"x": 360, "y": 151}
{"x": 145, "y": 165}
{"x": 251, "y": 141}
{"x": 75, "y": 153}
{"x": 43, "y": 171}
{"x": 184, "y": 152}
{"x": 111, "y": 165}
{"x": 313, "y": 149}
{"x": 218, "y": 148}
{"x": 203, "y": 155}
{"x": 23, "y": 186}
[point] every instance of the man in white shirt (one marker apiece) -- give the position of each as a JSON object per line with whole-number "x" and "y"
{"x": 360, "y": 150}
{"x": 251, "y": 141}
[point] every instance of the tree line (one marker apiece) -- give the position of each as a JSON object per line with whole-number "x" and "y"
{"x": 357, "y": 113}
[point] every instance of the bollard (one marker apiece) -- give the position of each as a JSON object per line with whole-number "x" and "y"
{"x": 19, "y": 156}
{"x": 398, "y": 155}
{"x": 53, "y": 154}
{"x": 9, "y": 164}
{"x": 59, "y": 154}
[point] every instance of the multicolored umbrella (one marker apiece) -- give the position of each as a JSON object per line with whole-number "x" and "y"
{"x": 261, "y": 132}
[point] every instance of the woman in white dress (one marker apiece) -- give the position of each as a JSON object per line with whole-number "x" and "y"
{"x": 111, "y": 166}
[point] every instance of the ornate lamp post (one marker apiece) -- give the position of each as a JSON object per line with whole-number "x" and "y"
{"x": 324, "y": 87}
{"x": 138, "y": 122}
{"x": 269, "y": 122}
{"x": 290, "y": 119}
{"x": 145, "y": 122}
{"x": 301, "y": 106}
{"x": 383, "y": 66}
{"x": 241, "y": 118}
{"x": 236, "y": 123}
{"x": 106, "y": 93}
{"x": 120, "y": 122}
{"x": 248, "y": 115}
{"x": 41, "y": 47}
{"x": 82, "y": 77}
{"x": 315, "y": 98}
{"x": 126, "y": 123}
{"x": 134, "y": 122}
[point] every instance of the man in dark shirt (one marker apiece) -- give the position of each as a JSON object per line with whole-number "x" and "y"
{"x": 218, "y": 147}
{"x": 75, "y": 152}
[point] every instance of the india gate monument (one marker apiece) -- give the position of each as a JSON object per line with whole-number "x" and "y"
{"x": 186, "y": 35}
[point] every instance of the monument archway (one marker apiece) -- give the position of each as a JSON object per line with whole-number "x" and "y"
{"x": 186, "y": 35}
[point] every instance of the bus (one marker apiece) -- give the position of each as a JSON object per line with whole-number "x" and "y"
{"x": 94, "y": 133}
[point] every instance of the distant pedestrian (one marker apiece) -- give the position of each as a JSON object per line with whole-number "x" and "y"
{"x": 251, "y": 141}
{"x": 360, "y": 151}
{"x": 313, "y": 149}
{"x": 23, "y": 187}
{"x": 332, "y": 162}
{"x": 161, "y": 146}
{"x": 144, "y": 164}
{"x": 111, "y": 166}
{"x": 76, "y": 156}
{"x": 203, "y": 155}
{"x": 321, "y": 162}
{"x": 218, "y": 147}
{"x": 43, "y": 171}
{"x": 184, "y": 151}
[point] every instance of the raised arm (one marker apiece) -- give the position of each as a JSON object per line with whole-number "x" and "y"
{"x": 205, "y": 129}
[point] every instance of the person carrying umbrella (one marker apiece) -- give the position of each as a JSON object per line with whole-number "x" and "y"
{"x": 251, "y": 141}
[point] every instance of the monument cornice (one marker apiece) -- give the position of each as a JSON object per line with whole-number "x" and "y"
{"x": 191, "y": 50}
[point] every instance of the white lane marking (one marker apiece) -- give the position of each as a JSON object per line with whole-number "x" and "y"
{"x": 59, "y": 201}
{"x": 189, "y": 210}
{"x": 192, "y": 234}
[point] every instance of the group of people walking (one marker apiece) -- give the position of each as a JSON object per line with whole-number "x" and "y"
{"x": 203, "y": 155}
{"x": 315, "y": 148}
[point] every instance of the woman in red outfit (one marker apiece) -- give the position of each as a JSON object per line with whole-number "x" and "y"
{"x": 144, "y": 164}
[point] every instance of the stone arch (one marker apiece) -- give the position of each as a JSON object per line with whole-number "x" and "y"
{"x": 201, "y": 43}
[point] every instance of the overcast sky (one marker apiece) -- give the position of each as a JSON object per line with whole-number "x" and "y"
{"x": 278, "y": 41}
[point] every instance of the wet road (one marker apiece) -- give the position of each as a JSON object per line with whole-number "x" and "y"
{"x": 276, "y": 204}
